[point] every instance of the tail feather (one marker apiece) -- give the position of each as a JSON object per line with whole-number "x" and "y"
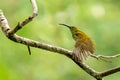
{"x": 78, "y": 55}
{"x": 85, "y": 55}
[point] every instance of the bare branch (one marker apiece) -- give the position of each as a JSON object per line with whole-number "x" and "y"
{"x": 4, "y": 22}
{"x": 12, "y": 36}
{"x": 44, "y": 46}
{"x": 35, "y": 8}
{"x": 105, "y": 58}
{"x": 109, "y": 72}
{"x": 30, "y": 18}
{"x": 108, "y": 57}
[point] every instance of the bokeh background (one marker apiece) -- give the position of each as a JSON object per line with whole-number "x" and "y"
{"x": 100, "y": 19}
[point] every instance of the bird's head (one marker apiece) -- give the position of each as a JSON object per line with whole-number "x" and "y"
{"x": 76, "y": 33}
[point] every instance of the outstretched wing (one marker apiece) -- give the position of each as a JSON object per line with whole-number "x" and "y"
{"x": 83, "y": 49}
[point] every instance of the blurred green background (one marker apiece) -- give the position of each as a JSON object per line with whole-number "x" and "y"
{"x": 98, "y": 18}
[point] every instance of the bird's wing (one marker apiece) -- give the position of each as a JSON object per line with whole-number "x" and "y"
{"x": 83, "y": 49}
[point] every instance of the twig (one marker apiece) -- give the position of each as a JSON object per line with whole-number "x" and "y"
{"x": 30, "y": 18}
{"x": 109, "y": 72}
{"x": 23, "y": 23}
{"x": 109, "y": 57}
{"x": 105, "y": 58}
{"x": 29, "y": 50}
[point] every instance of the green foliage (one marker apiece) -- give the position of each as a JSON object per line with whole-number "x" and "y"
{"x": 98, "y": 18}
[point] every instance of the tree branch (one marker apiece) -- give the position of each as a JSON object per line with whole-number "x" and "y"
{"x": 105, "y": 57}
{"x": 6, "y": 29}
{"x": 30, "y": 18}
{"x": 12, "y": 36}
{"x": 109, "y": 72}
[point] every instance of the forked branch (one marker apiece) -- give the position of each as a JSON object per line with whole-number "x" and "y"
{"x": 30, "y": 18}
{"x": 12, "y": 36}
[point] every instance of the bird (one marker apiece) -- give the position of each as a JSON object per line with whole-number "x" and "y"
{"x": 83, "y": 47}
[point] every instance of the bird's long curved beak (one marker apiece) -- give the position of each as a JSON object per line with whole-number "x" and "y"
{"x": 65, "y": 25}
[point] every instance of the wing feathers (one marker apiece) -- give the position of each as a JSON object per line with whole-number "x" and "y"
{"x": 83, "y": 49}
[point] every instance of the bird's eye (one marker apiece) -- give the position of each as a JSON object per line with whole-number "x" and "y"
{"x": 76, "y": 34}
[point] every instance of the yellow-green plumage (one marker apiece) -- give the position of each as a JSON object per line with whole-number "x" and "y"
{"x": 83, "y": 46}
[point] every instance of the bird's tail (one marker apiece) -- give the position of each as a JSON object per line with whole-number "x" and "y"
{"x": 80, "y": 54}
